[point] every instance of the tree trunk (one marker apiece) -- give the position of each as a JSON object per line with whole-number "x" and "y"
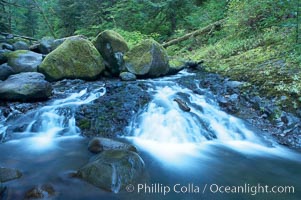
{"x": 201, "y": 31}
{"x": 173, "y": 22}
{"x": 45, "y": 18}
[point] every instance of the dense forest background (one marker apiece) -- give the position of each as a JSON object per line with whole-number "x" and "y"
{"x": 257, "y": 41}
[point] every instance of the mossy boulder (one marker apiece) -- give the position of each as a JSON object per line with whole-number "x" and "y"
{"x": 75, "y": 58}
{"x": 112, "y": 47}
{"x": 27, "y": 86}
{"x": 113, "y": 169}
{"x": 148, "y": 59}
{"x": 24, "y": 60}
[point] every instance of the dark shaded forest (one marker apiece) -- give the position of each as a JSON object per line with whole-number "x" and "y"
{"x": 255, "y": 41}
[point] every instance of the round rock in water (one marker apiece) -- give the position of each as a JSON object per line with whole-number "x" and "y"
{"x": 113, "y": 170}
{"x": 127, "y": 76}
{"x": 99, "y": 144}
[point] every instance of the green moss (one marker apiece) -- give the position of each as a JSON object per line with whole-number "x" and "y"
{"x": 15, "y": 54}
{"x": 84, "y": 124}
{"x": 148, "y": 57}
{"x": 112, "y": 47}
{"x": 116, "y": 41}
{"x": 268, "y": 60}
{"x": 75, "y": 58}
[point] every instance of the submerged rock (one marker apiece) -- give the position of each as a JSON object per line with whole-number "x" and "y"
{"x": 113, "y": 169}
{"x": 8, "y": 174}
{"x": 75, "y": 58}
{"x": 24, "y": 60}
{"x": 27, "y": 86}
{"x": 148, "y": 59}
{"x": 112, "y": 47}
{"x": 40, "y": 192}
{"x": 99, "y": 144}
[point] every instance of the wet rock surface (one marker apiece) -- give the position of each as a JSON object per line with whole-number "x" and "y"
{"x": 99, "y": 144}
{"x": 242, "y": 100}
{"x": 113, "y": 169}
{"x": 8, "y": 174}
{"x": 109, "y": 115}
{"x": 45, "y": 191}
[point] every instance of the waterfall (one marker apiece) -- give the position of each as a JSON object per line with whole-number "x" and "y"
{"x": 2, "y": 126}
{"x": 172, "y": 135}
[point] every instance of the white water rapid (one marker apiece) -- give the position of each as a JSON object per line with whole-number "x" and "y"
{"x": 56, "y": 121}
{"x": 171, "y": 135}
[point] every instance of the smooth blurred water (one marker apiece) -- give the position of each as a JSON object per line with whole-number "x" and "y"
{"x": 170, "y": 134}
{"x": 55, "y": 121}
{"x": 207, "y": 146}
{"x": 203, "y": 146}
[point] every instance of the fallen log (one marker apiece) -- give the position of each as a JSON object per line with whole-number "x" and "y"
{"x": 204, "y": 30}
{"x": 20, "y": 36}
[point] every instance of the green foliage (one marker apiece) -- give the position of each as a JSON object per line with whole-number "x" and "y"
{"x": 135, "y": 37}
{"x": 244, "y": 16}
{"x": 207, "y": 12}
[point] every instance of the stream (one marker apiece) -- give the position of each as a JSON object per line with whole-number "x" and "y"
{"x": 188, "y": 155}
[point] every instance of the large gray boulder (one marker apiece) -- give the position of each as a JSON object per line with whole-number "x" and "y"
{"x": 147, "y": 59}
{"x": 21, "y": 45}
{"x": 27, "y": 86}
{"x": 112, "y": 47}
{"x": 5, "y": 71}
{"x": 113, "y": 169}
{"x": 75, "y": 58}
{"x": 24, "y": 60}
{"x": 46, "y": 44}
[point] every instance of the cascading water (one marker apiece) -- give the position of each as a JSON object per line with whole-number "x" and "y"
{"x": 164, "y": 130}
{"x": 204, "y": 146}
{"x": 55, "y": 120}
